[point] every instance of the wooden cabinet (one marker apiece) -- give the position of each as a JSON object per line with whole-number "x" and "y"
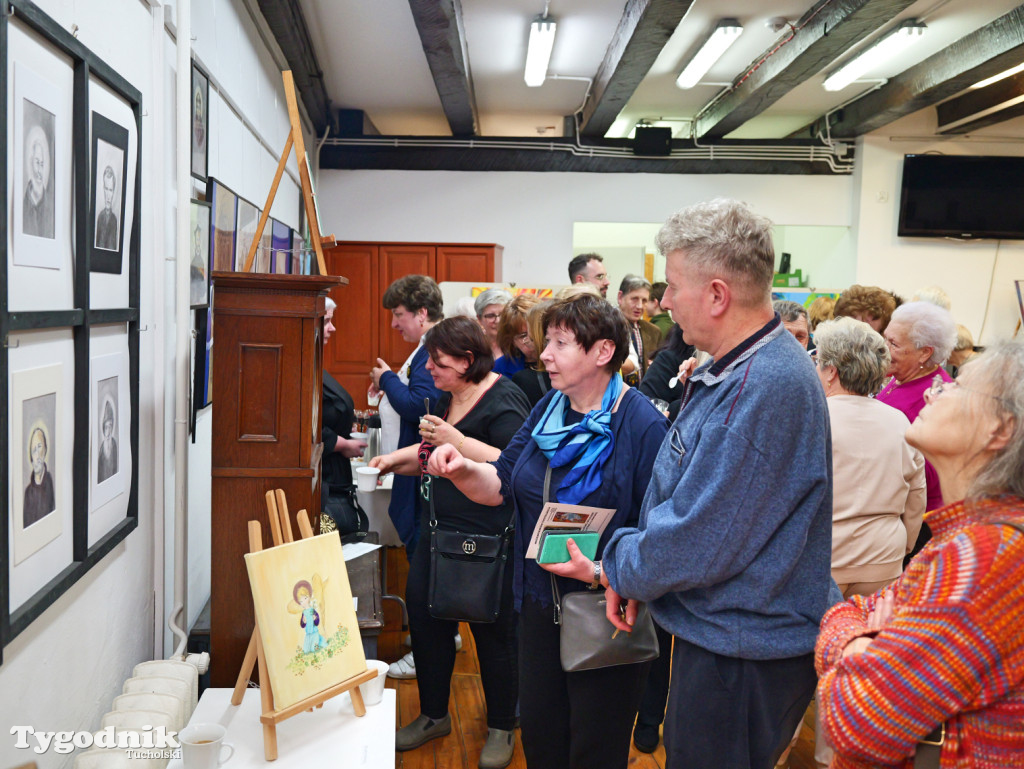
{"x": 267, "y": 389}
{"x": 364, "y": 330}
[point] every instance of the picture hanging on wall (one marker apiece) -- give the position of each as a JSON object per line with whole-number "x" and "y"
{"x": 282, "y": 245}
{"x": 199, "y": 269}
{"x": 36, "y": 475}
{"x": 222, "y": 240}
{"x": 107, "y": 468}
{"x": 298, "y": 246}
{"x": 204, "y": 345}
{"x": 109, "y": 185}
{"x": 40, "y": 192}
{"x": 265, "y": 249}
{"x": 1020, "y": 299}
{"x": 248, "y": 218}
{"x": 200, "y": 122}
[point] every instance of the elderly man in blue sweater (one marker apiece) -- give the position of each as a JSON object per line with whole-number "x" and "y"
{"x": 733, "y": 545}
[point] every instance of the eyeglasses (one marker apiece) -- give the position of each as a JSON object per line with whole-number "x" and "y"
{"x": 491, "y": 316}
{"x": 523, "y": 337}
{"x": 939, "y": 386}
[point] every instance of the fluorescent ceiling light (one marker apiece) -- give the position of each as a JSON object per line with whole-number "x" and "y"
{"x": 722, "y": 36}
{"x": 897, "y": 41}
{"x": 996, "y": 78}
{"x": 538, "y": 53}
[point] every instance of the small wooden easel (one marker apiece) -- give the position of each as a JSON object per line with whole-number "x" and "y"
{"x": 281, "y": 532}
{"x": 308, "y": 195}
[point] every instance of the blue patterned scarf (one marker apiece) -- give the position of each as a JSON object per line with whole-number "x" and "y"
{"x": 585, "y": 445}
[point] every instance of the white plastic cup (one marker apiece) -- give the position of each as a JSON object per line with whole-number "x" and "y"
{"x": 373, "y": 690}
{"x": 202, "y": 746}
{"x": 358, "y": 436}
{"x": 367, "y": 478}
{"x": 372, "y": 400}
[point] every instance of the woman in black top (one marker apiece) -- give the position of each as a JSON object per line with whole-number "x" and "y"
{"x": 337, "y": 494}
{"x": 534, "y": 380}
{"x": 481, "y": 412}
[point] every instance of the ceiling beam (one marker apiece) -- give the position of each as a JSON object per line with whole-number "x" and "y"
{"x": 645, "y": 27}
{"x": 818, "y": 39}
{"x": 983, "y": 53}
{"x": 986, "y": 106}
{"x": 439, "y": 23}
{"x": 285, "y": 19}
{"x": 564, "y": 155}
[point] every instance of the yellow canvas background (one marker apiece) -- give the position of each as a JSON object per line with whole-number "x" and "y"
{"x": 273, "y": 575}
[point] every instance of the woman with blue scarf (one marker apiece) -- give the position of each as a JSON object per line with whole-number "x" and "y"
{"x": 600, "y": 438}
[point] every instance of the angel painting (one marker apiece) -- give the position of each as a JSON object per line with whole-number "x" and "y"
{"x": 308, "y": 603}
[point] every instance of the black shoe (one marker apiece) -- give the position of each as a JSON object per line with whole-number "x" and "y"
{"x": 646, "y": 737}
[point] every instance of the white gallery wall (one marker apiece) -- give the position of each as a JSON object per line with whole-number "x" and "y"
{"x": 63, "y": 671}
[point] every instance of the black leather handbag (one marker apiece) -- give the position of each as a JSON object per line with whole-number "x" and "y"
{"x": 467, "y": 571}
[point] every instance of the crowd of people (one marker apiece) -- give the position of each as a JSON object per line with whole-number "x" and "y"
{"x": 818, "y": 502}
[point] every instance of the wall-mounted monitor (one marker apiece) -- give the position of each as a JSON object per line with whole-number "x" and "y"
{"x": 962, "y": 197}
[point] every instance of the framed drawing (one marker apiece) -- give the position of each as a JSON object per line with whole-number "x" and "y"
{"x": 245, "y": 231}
{"x": 36, "y": 421}
{"x": 306, "y": 618}
{"x": 109, "y": 175}
{"x": 200, "y": 122}
{"x": 223, "y": 203}
{"x": 41, "y": 195}
{"x": 108, "y": 468}
{"x": 281, "y": 238}
{"x": 298, "y": 246}
{"x": 265, "y": 249}
{"x": 73, "y": 134}
{"x": 199, "y": 269}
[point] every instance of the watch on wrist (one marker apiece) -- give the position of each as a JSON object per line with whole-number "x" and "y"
{"x": 597, "y": 576}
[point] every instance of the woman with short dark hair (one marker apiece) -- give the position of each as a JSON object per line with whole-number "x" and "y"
{"x": 598, "y": 438}
{"x": 479, "y": 413}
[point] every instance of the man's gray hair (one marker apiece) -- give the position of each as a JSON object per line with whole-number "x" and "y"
{"x": 790, "y": 311}
{"x": 724, "y": 239}
{"x": 491, "y": 296}
{"x": 999, "y": 371}
{"x": 858, "y": 353}
{"x": 928, "y": 325}
{"x": 633, "y": 283}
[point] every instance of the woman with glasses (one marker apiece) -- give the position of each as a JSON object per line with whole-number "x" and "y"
{"x": 517, "y": 348}
{"x": 478, "y": 413}
{"x": 920, "y": 336}
{"x": 533, "y": 380}
{"x": 488, "y": 306}
{"x": 930, "y": 671}
{"x": 878, "y": 488}
{"x": 591, "y": 441}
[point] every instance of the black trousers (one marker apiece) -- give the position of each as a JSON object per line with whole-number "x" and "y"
{"x": 652, "y": 706}
{"x": 730, "y": 713}
{"x": 433, "y": 648}
{"x": 578, "y": 720}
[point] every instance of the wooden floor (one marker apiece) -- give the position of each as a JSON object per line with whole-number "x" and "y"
{"x": 461, "y": 749}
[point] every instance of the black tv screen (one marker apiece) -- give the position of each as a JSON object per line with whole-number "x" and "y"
{"x": 962, "y": 197}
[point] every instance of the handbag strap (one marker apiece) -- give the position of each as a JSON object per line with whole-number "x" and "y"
{"x": 543, "y": 385}
{"x": 929, "y": 750}
{"x": 426, "y": 488}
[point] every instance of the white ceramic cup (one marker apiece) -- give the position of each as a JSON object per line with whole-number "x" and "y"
{"x": 203, "y": 746}
{"x": 373, "y": 691}
{"x": 367, "y": 478}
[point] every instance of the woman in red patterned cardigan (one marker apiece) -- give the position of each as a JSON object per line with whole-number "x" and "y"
{"x": 939, "y": 655}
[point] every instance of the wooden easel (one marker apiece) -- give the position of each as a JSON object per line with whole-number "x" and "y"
{"x": 308, "y": 197}
{"x": 281, "y": 532}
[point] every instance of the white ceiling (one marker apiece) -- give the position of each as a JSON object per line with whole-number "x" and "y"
{"x": 374, "y": 61}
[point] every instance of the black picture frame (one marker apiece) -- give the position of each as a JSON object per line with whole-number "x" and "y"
{"x": 200, "y": 132}
{"x": 109, "y": 142}
{"x": 78, "y": 321}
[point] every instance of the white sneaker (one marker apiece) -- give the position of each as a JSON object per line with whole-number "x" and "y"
{"x": 404, "y": 668}
{"x": 458, "y": 642}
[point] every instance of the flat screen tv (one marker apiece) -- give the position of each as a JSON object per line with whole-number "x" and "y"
{"x": 962, "y": 197}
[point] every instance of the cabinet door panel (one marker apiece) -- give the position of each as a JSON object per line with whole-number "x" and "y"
{"x": 356, "y": 341}
{"x": 465, "y": 263}
{"x": 396, "y": 261}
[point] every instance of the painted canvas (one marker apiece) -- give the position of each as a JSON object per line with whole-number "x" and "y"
{"x": 306, "y": 617}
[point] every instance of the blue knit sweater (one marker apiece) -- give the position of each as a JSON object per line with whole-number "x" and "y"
{"x": 734, "y": 541}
